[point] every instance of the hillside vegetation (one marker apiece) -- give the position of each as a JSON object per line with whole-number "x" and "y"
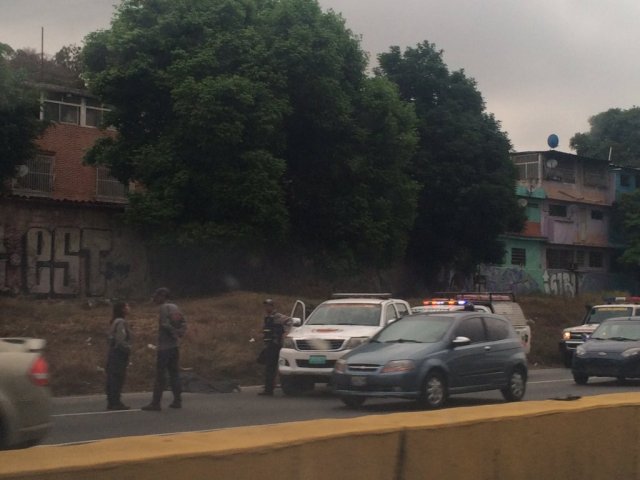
{"x": 223, "y": 340}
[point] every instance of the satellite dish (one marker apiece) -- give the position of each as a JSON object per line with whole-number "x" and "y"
{"x": 552, "y": 163}
{"x": 522, "y": 202}
{"x": 21, "y": 171}
{"x": 552, "y": 140}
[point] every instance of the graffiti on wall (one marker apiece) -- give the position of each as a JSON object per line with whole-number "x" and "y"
{"x": 514, "y": 279}
{"x": 62, "y": 261}
{"x": 560, "y": 283}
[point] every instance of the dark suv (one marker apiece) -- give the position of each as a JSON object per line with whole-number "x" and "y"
{"x": 429, "y": 357}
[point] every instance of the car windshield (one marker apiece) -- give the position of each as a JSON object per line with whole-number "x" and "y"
{"x": 418, "y": 329}
{"x": 622, "y": 331}
{"x": 600, "y": 314}
{"x": 346, "y": 314}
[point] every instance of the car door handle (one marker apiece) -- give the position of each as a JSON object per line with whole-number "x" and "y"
{"x": 487, "y": 348}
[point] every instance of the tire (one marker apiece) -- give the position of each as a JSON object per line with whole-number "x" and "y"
{"x": 580, "y": 378}
{"x": 353, "y": 402}
{"x": 434, "y": 391}
{"x": 292, "y": 386}
{"x": 516, "y": 386}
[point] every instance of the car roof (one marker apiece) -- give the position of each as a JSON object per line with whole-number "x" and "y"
{"x": 621, "y": 319}
{"x": 361, "y": 300}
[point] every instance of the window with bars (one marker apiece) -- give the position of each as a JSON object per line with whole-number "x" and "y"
{"x": 556, "y": 210}
{"x": 527, "y": 166}
{"x": 559, "y": 258}
{"x": 35, "y": 176}
{"x": 596, "y": 260}
{"x": 518, "y": 256}
{"x": 108, "y": 187}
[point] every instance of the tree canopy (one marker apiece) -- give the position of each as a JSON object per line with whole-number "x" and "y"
{"x": 613, "y": 134}
{"x": 19, "y": 113}
{"x": 252, "y": 121}
{"x": 467, "y": 198}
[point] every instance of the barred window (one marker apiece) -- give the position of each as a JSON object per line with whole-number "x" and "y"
{"x": 108, "y": 187}
{"x": 35, "y": 176}
{"x": 557, "y": 210}
{"x": 518, "y": 256}
{"x": 596, "y": 259}
{"x": 559, "y": 259}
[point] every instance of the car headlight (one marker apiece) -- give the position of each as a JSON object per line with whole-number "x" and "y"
{"x": 288, "y": 343}
{"x": 580, "y": 351}
{"x": 566, "y": 335}
{"x": 340, "y": 366}
{"x": 632, "y": 352}
{"x": 398, "y": 366}
{"x": 355, "y": 341}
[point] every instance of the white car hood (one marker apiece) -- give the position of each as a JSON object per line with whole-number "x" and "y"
{"x": 333, "y": 331}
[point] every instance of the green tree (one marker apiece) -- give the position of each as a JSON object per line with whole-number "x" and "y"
{"x": 613, "y": 134}
{"x": 199, "y": 125}
{"x": 462, "y": 164}
{"x": 628, "y": 210}
{"x": 19, "y": 113}
{"x": 246, "y": 120}
{"x": 349, "y": 141}
{"x": 62, "y": 69}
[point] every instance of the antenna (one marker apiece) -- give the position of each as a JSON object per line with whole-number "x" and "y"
{"x": 609, "y": 159}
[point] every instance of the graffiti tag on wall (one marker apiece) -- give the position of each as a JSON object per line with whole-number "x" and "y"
{"x": 50, "y": 261}
{"x": 559, "y": 283}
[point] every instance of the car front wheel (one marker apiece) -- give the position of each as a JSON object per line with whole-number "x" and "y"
{"x": 516, "y": 386}
{"x": 580, "y": 378}
{"x": 353, "y": 402}
{"x": 434, "y": 391}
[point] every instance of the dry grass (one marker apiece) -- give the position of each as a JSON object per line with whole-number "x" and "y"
{"x": 217, "y": 345}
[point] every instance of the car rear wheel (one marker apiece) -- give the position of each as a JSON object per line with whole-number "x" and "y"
{"x": 580, "y": 378}
{"x": 434, "y": 391}
{"x": 353, "y": 402}
{"x": 293, "y": 386}
{"x": 516, "y": 386}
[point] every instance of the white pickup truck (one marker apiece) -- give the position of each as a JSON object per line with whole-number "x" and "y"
{"x": 501, "y": 303}
{"x": 336, "y": 326}
{"x": 615, "y": 307}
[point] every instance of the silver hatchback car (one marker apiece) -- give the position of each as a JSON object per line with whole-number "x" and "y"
{"x": 25, "y": 399}
{"x": 428, "y": 357}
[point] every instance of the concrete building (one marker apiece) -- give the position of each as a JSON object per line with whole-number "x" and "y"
{"x": 60, "y": 228}
{"x": 569, "y": 244}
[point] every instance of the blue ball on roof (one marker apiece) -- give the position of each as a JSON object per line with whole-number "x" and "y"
{"x": 553, "y": 140}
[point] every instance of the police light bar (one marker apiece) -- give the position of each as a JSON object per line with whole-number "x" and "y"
{"x": 622, "y": 299}
{"x": 443, "y": 301}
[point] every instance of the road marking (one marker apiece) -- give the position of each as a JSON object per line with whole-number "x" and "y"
{"x": 567, "y": 380}
{"x": 108, "y": 412}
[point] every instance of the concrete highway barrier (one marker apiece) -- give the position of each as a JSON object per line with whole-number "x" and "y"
{"x": 590, "y": 438}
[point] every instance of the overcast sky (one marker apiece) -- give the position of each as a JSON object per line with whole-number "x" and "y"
{"x": 542, "y": 66}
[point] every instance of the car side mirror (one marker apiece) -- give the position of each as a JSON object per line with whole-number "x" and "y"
{"x": 296, "y": 322}
{"x": 461, "y": 342}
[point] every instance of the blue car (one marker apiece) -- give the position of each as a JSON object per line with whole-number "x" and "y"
{"x": 612, "y": 350}
{"x": 429, "y": 357}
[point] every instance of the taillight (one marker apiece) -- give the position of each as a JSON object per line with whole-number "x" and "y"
{"x": 39, "y": 372}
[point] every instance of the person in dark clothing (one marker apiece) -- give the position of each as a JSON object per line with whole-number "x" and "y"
{"x": 275, "y": 327}
{"x": 171, "y": 327}
{"x": 118, "y": 356}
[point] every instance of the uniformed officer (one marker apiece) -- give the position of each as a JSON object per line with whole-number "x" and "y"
{"x": 275, "y": 327}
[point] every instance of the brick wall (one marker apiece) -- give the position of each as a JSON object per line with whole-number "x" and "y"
{"x": 69, "y": 144}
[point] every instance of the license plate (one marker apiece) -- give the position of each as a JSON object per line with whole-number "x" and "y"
{"x": 317, "y": 360}
{"x": 358, "y": 381}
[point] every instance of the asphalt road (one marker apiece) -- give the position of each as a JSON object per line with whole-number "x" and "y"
{"x": 82, "y": 419}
